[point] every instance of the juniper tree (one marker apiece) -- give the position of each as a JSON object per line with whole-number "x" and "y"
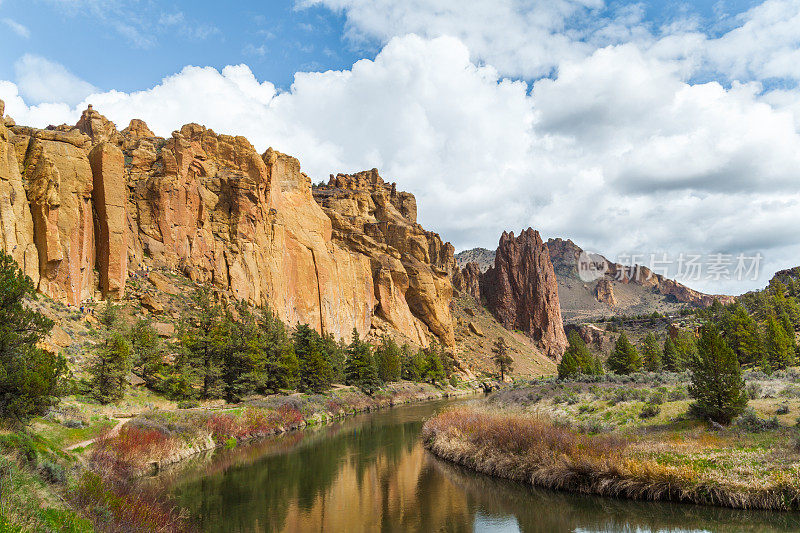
{"x": 651, "y": 354}
{"x": 147, "y": 353}
{"x": 109, "y": 368}
{"x": 716, "y": 379}
{"x": 501, "y": 357}
{"x": 30, "y": 377}
{"x": 624, "y": 359}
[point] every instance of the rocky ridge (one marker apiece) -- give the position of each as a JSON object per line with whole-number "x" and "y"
{"x": 83, "y": 206}
{"x": 622, "y": 289}
{"x": 520, "y": 290}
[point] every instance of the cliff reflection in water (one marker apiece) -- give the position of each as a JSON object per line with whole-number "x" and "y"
{"x": 372, "y": 474}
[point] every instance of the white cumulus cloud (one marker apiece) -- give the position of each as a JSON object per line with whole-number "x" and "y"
{"x": 42, "y": 80}
{"x": 618, "y": 150}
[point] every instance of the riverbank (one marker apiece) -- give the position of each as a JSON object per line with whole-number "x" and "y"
{"x": 46, "y": 485}
{"x": 154, "y": 440}
{"x": 629, "y": 439}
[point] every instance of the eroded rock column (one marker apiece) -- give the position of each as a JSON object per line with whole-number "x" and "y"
{"x": 109, "y": 195}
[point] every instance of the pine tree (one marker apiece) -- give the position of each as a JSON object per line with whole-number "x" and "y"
{"x": 501, "y": 357}
{"x": 360, "y": 365}
{"x": 30, "y": 377}
{"x": 568, "y": 367}
{"x": 743, "y": 336}
{"x": 314, "y": 369}
{"x": 716, "y": 379}
{"x": 433, "y": 367}
{"x": 778, "y": 345}
{"x": 241, "y": 350}
{"x": 686, "y": 349}
{"x": 669, "y": 357}
{"x": 387, "y": 360}
{"x": 109, "y": 368}
{"x": 413, "y": 366}
{"x": 624, "y": 359}
{"x": 279, "y": 368}
{"x": 199, "y": 337}
{"x": 147, "y": 354}
{"x": 651, "y": 354}
{"x": 578, "y": 359}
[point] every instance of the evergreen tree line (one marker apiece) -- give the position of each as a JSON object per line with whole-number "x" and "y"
{"x": 233, "y": 352}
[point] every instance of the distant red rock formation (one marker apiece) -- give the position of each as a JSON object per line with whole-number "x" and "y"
{"x": 522, "y": 292}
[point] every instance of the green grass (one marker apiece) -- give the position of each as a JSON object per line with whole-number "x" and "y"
{"x": 29, "y": 499}
{"x": 63, "y": 436}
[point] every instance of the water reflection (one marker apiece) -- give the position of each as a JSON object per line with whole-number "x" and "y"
{"x": 371, "y": 474}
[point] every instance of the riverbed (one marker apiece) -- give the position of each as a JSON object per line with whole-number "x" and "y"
{"x": 371, "y": 473}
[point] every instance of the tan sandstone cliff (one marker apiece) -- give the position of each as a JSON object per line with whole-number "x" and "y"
{"x": 82, "y": 206}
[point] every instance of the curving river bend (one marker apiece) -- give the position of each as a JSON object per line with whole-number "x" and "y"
{"x": 371, "y": 473}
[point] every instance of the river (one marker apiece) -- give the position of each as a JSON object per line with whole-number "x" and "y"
{"x": 371, "y": 473}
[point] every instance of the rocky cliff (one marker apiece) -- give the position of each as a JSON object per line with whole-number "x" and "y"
{"x": 520, "y": 290}
{"x": 410, "y": 267}
{"x": 619, "y": 289}
{"x": 83, "y": 206}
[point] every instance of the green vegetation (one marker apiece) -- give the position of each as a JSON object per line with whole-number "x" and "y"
{"x": 30, "y": 377}
{"x": 717, "y": 384}
{"x": 625, "y": 358}
{"x": 501, "y": 357}
{"x": 109, "y": 368}
{"x": 578, "y": 359}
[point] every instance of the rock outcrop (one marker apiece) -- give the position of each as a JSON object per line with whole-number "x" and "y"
{"x": 522, "y": 292}
{"x": 410, "y": 267}
{"x": 468, "y": 280}
{"x": 604, "y": 292}
{"x": 81, "y": 206}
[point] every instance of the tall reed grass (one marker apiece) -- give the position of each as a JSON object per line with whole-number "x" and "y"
{"x": 535, "y": 450}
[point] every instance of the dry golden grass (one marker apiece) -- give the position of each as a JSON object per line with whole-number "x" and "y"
{"x": 704, "y": 468}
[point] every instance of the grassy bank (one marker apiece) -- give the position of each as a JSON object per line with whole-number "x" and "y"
{"x": 158, "y": 438}
{"x": 43, "y": 487}
{"x": 631, "y": 438}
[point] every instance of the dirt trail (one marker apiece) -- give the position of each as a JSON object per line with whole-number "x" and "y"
{"x": 83, "y": 444}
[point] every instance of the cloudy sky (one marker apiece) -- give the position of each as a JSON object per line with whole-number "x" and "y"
{"x": 627, "y": 127}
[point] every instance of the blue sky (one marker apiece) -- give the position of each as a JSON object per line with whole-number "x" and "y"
{"x": 654, "y": 127}
{"x": 275, "y": 38}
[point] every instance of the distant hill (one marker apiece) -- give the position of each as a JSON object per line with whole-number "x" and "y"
{"x": 621, "y": 291}
{"x": 618, "y": 292}
{"x": 482, "y": 256}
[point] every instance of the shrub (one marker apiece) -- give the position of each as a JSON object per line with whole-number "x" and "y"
{"x": 656, "y": 398}
{"x": 754, "y": 390}
{"x": 750, "y": 421}
{"x": 783, "y": 410}
{"x": 188, "y": 404}
{"x": 649, "y": 410}
{"x": 53, "y": 472}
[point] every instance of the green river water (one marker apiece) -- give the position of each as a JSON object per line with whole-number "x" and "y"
{"x": 371, "y": 473}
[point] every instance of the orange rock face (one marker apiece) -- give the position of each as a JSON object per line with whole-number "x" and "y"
{"x": 110, "y": 198}
{"x": 410, "y": 267}
{"x": 75, "y": 200}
